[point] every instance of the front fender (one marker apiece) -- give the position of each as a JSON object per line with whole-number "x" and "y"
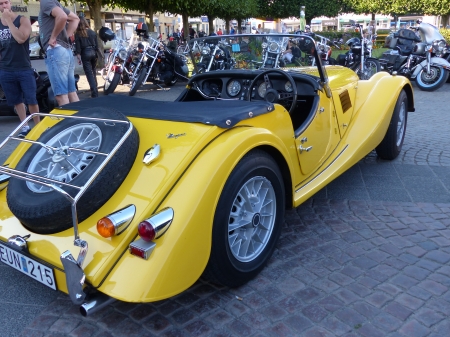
{"x": 435, "y": 61}
{"x": 182, "y": 253}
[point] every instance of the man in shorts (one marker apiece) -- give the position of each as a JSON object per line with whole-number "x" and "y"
{"x": 16, "y": 75}
{"x": 57, "y": 24}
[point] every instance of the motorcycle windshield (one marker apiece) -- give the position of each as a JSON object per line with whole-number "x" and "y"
{"x": 254, "y": 51}
{"x": 429, "y": 33}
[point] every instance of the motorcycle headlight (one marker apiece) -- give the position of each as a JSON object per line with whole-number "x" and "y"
{"x": 369, "y": 44}
{"x": 206, "y": 50}
{"x": 273, "y": 47}
{"x": 439, "y": 46}
{"x": 122, "y": 54}
{"x": 321, "y": 47}
{"x": 264, "y": 45}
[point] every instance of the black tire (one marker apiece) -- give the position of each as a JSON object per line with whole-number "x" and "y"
{"x": 371, "y": 66}
{"x": 110, "y": 86}
{"x": 172, "y": 81}
{"x": 392, "y": 143}
{"x": 224, "y": 267}
{"x": 140, "y": 80}
{"x": 48, "y": 212}
{"x": 436, "y": 79}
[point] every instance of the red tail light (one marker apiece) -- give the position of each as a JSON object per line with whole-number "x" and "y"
{"x": 146, "y": 231}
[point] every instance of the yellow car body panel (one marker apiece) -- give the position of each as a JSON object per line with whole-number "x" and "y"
{"x": 190, "y": 174}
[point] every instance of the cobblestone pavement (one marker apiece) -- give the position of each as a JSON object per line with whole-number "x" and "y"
{"x": 367, "y": 264}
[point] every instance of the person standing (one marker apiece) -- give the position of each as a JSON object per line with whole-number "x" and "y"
{"x": 192, "y": 32}
{"x": 86, "y": 51}
{"x": 16, "y": 75}
{"x": 56, "y": 24}
{"x": 219, "y": 32}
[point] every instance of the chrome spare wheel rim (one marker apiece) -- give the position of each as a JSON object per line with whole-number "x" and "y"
{"x": 63, "y": 163}
{"x": 252, "y": 219}
{"x": 401, "y": 124}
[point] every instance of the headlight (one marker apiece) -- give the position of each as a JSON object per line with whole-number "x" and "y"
{"x": 264, "y": 45}
{"x": 439, "y": 46}
{"x": 369, "y": 44}
{"x": 321, "y": 47}
{"x": 122, "y": 54}
{"x": 273, "y": 47}
{"x": 206, "y": 50}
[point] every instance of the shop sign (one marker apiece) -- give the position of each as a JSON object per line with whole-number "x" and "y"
{"x": 16, "y": 8}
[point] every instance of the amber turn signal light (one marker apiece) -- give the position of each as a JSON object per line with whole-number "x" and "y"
{"x": 105, "y": 228}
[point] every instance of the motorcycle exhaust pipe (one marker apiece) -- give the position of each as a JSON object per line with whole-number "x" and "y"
{"x": 98, "y": 301}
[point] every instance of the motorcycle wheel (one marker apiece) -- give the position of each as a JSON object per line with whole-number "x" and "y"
{"x": 371, "y": 66}
{"x": 111, "y": 82}
{"x": 433, "y": 81}
{"x": 137, "y": 83}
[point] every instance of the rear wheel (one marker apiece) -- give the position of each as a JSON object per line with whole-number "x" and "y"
{"x": 111, "y": 82}
{"x": 248, "y": 220}
{"x": 392, "y": 143}
{"x": 432, "y": 81}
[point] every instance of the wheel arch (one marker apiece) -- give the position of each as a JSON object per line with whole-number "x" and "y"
{"x": 281, "y": 162}
{"x": 410, "y": 95}
{"x": 182, "y": 253}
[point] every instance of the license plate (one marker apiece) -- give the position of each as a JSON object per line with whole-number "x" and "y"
{"x": 30, "y": 267}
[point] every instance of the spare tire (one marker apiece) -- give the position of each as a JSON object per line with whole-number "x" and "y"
{"x": 43, "y": 210}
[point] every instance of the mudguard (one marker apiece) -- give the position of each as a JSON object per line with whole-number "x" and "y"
{"x": 435, "y": 61}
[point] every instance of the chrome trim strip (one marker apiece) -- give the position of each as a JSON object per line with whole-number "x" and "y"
{"x": 326, "y": 168}
{"x": 122, "y": 218}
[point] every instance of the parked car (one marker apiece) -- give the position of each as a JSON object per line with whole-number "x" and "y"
{"x": 154, "y": 195}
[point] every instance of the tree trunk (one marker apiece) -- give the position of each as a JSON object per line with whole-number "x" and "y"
{"x": 211, "y": 24}
{"x": 185, "y": 26}
{"x": 227, "y": 25}
{"x": 149, "y": 12}
{"x": 95, "y": 7}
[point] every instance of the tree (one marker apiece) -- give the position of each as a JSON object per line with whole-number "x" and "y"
{"x": 278, "y": 9}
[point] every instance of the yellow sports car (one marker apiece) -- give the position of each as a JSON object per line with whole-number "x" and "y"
{"x": 130, "y": 199}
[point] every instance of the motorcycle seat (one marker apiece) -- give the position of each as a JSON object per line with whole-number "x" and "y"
{"x": 404, "y": 49}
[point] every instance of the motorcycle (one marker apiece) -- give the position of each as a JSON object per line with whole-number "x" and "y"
{"x": 359, "y": 57}
{"x": 115, "y": 70}
{"x": 215, "y": 56}
{"x": 157, "y": 64}
{"x": 418, "y": 55}
{"x": 44, "y": 95}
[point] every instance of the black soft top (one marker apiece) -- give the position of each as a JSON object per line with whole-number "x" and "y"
{"x": 222, "y": 113}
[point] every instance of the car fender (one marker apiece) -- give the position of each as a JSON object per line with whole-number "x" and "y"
{"x": 435, "y": 61}
{"x": 182, "y": 253}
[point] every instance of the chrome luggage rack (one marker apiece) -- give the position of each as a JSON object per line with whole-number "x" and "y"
{"x": 74, "y": 273}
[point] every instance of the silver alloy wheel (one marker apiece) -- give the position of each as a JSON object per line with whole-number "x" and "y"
{"x": 65, "y": 164}
{"x": 252, "y": 219}
{"x": 401, "y": 124}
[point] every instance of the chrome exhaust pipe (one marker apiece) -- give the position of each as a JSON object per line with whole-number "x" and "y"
{"x": 98, "y": 301}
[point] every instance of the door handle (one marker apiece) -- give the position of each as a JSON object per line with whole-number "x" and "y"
{"x": 307, "y": 149}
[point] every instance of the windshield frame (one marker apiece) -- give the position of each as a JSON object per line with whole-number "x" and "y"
{"x": 198, "y": 42}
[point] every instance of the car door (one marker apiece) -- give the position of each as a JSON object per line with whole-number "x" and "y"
{"x": 320, "y": 137}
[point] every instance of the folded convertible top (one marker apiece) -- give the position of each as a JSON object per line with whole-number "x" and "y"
{"x": 222, "y": 113}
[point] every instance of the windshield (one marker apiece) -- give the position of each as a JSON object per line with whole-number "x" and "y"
{"x": 254, "y": 51}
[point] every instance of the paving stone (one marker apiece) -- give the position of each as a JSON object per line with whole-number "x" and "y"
{"x": 413, "y": 329}
{"x": 398, "y": 310}
{"x": 428, "y": 317}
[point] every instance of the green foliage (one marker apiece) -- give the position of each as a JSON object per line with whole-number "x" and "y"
{"x": 277, "y": 9}
{"x": 446, "y": 34}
